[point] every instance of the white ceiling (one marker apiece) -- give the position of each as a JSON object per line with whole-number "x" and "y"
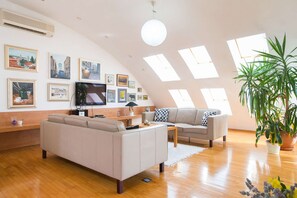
{"x": 115, "y": 26}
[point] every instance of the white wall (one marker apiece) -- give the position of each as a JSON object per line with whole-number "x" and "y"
{"x": 65, "y": 41}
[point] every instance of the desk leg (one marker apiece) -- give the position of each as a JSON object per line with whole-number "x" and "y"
{"x": 175, "y": 137}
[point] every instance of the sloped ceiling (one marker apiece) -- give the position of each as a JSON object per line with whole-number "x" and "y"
{"x": 115, "y": 26}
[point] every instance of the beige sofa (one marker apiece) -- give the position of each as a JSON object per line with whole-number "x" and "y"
{"x": 104, "y": 145}
{"x": 188, "y": 123}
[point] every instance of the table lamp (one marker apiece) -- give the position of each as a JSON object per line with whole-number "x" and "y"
{"x": 131, "y": 105}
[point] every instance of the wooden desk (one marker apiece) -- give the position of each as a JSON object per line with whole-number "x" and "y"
{"x": 12, "y": 128}
{"x": 126, "y": 119}
{"x": 19, "y": 136}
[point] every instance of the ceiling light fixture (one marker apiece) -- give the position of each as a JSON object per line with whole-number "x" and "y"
{"x": 153, "y": 32}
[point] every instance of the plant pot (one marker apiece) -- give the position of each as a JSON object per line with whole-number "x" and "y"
{"x": 288, "y": 141}
{"x": 272, "y": 148}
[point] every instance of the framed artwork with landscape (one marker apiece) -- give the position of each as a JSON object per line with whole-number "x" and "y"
{"x": 21, "y": 93}
{"x": 122, "y": 80}
{"x": 131, "y": 84}
{"x": 57, "y": 92}
{"x": 89, "y": 70}
{"x": 122, "y": 95}
{"x": 60, "y": 66}
{"x": 131, "y": 97}
{"x": 19, "y": 58}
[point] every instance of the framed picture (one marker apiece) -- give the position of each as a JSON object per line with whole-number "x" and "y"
{"x": 60, "y": 66}
{"x": 139, "y": 89}
{"x": 122, "y": 95}
{"x": 19, "y": 58}
{"x": 131, "y": 84}
{"x": 89, "y": 70}
{"x": 131, "y": 97}
{"x": 21, "y": 93}
{"x": 122, "y": 80}
{"x": 145, "y": 97}
{"x": 111, "y": 95}
{"x": 109, "y": 79}
{"x": 57, "y": 92}
{"x": 139, "y": 97}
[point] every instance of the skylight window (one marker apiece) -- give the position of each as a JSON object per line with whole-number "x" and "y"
{"x": 162, "y": 67}
{"x": 199, "y": 62}
{"x": 181, "y": 98}
{"x": 243, "y": 49}
{"x": 216, "y": 98}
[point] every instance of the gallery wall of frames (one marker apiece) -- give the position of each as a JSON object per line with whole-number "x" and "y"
{"x": 39, "y": 73}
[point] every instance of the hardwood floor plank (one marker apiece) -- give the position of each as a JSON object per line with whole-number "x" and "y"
{"x": 219, "y": 171}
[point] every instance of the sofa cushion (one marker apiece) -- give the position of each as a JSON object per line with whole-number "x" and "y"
{"x": 163, "y": 123}
{"x": 186, "y": 116}
{"x": 59, "y": 118}
{"x": 105, "y": 125}
{"x": 205, "y": 117}
{"x": 76, "y": 121}
{"x": 161, "y": 115}
{"x": 195, "y": 129}
{"x": 172, "y": 114}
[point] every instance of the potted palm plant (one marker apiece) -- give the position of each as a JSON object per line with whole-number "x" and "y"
{"x": 268, "y": 89}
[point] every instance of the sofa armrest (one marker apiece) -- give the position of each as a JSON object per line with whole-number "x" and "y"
{"x": 149, "y": 116}
{"x": 137, "y": 150}
{"x": 217, "y": 126}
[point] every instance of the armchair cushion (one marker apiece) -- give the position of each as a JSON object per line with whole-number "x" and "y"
{"x": 161, "y": 115}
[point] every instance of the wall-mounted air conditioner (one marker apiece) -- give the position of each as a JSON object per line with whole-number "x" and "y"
{"x": 11, "y": 19}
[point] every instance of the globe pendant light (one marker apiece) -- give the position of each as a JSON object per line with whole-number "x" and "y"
{"x": 153, "y": 32}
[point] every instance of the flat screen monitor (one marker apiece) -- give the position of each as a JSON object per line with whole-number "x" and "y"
{"x": 90, "y": 93}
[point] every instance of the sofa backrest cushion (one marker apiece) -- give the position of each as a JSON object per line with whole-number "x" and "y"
{"x": 77, "y": 121}
{"x": 186, "y": 116}
{"x": 172, "y": 115}
{"x": 59, "y": 118}
{"x": 161, "y": 115}
{"x": 106, "y": 125}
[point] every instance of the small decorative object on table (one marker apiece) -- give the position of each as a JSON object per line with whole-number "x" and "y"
{"x": 273, "y": 188}
{"x": 14, "y": 121}
{"x": 147, "y": 123}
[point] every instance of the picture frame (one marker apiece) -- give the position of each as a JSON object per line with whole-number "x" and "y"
{"x": 111, "y": 95}
{"x": 122, "y": 95}
{"x": 21, "y": 93}
{"x": 20, "y": 58}
{"x": 109, "y": 79}
{"x": 122, "y": 80}
{"x": 89, "y": 70}
{"x": 131, "y": 84}
{"x": 145, "y": 97}
{"x": 131, "y": 97}
{"x": 57, "y": 92}
{"x": 139, "y": 89}
{"x": 60, "y": 66}
{"x": 139, "y": 97}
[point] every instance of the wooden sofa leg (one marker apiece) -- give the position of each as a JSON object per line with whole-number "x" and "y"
{"x": 120, "y": 187}
{"x": 43, "y": 154}
{"x": 161, "y": 166}
{"x": 210, "y": 143}
{"x": 224, "y": 138}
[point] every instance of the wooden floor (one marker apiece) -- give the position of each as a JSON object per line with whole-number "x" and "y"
{"x": 216, "y": 172}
